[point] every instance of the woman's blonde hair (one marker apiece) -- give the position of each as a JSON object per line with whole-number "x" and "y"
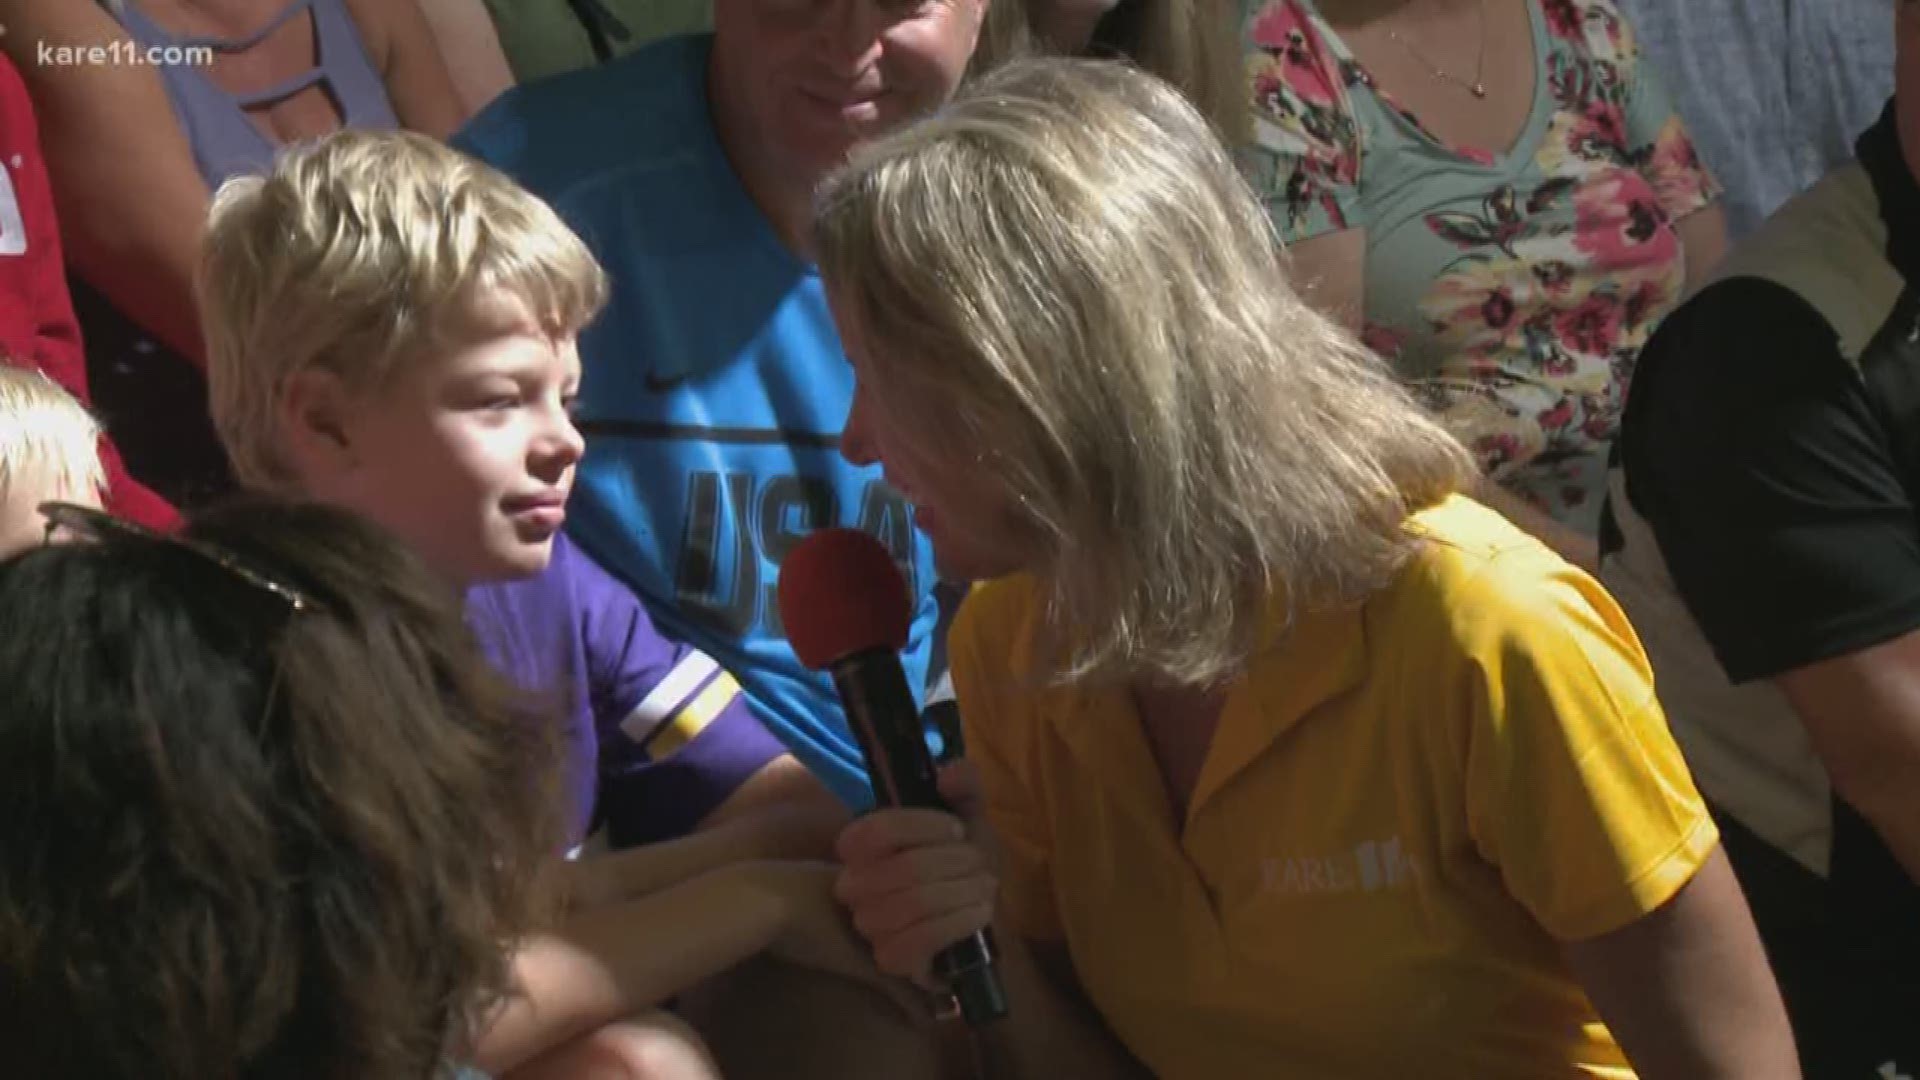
{"x": 354, "y": 255}
{"x": 47, "y": 436}
{"x": 1064, "y": 267}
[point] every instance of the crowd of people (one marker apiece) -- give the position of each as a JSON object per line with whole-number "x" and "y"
{"x": 1414, "y": 501}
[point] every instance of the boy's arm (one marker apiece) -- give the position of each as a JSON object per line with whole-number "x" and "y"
{"x": 773, "y": 832}
{"x": 706, "y": 762}
{"x": 617, "y": 960}
{"x": 680, "y": 749}
{"x": 787, "y": 785}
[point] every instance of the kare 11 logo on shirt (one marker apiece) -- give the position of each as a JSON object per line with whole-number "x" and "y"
{"x": 1372, "y": 866}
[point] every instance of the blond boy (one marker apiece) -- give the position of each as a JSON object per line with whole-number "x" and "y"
{"x": 390, "y": 327}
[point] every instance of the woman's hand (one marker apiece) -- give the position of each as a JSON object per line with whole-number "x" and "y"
{"x": 917, "y": 881}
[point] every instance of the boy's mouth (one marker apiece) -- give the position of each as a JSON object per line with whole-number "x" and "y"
{"x": 546, "y": 509}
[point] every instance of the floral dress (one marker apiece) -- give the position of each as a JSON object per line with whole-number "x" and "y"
{"x": 1511, "y": 290}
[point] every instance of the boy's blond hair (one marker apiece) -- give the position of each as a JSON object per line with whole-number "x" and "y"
{"x": 1063, "y": 270}
{"x": 47, "y": 435}
{"x": 356, "y": 253}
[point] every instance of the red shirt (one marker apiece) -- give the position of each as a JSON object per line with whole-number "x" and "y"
{"x": 37, "y": 327}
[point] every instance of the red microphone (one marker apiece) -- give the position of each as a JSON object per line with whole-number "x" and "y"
{"x": 846, "y": 610}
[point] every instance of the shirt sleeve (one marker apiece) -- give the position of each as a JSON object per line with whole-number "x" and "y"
{"x": 484, "y": 132}
{"x": 1657, "y": 139}
{"x": 1304, "y": 157}
{"x": 1025, "y": 853}
{"x": 1576, "y": 791}
{"x": 676, "y": 737}
{"x": 1751, "y": 449}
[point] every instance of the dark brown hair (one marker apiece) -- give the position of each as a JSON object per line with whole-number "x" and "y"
{"x": 241, "y": 841}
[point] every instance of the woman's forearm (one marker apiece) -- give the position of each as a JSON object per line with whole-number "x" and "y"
{"x": 1686, "y": 989}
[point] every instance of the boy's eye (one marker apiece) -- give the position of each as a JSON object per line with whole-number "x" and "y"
{"x": 571, "y": 403}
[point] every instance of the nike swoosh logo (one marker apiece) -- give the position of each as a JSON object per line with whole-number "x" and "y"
{"x": 658, "y": 385}
{"x": 654, "y": 430}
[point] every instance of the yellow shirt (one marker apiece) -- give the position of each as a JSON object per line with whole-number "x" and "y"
{"x": 1404, "y": 808}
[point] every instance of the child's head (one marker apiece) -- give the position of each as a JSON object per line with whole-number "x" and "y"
{"x": 390, "y": 327}
{"x": 243, "y": 839}
{"x": 49, "y": 449}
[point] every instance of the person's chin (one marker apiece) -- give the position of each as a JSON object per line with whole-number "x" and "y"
{"x": 822, "y": 141}
{"x": 818, "y": 156}
{"x": 523, "y": 558}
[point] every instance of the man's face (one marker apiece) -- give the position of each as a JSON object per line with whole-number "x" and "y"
{"x": 815, "y": 77}
{"x": 469, "y": 454}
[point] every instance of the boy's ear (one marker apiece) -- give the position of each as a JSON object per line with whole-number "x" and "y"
{"x": 312, "y": 417}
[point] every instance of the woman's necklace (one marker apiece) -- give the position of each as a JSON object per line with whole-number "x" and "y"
{"x": 1478, "y": 87}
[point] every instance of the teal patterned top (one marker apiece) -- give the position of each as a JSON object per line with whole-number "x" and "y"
{"x": 1512, "y": 290}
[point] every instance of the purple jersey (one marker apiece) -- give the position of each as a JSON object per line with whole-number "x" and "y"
{"x": 655, "y": 735}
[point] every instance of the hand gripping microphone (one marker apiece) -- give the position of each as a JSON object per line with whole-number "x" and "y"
{"x": 846, "y": 610}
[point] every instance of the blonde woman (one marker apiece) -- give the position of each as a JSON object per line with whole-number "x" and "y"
{"x": 1294, "y": 761}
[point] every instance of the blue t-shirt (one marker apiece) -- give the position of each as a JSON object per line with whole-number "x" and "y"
{"x": 655, "y": 735}
{"x": 715, "y": 385}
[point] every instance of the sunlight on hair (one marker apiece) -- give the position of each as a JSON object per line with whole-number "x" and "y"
{"x": 1063, "y": 268}
{"x": 47, "y": 435}
{"x": 353, "y": 253}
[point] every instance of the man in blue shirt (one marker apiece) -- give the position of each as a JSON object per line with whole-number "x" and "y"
{"x": 716, "y": 385}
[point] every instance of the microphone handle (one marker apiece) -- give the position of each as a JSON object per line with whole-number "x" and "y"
{"x": 881, "y": 713}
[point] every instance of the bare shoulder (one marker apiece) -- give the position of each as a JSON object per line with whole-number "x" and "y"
{"x": 374, "y": 19}
{"x": 31, "y": 25}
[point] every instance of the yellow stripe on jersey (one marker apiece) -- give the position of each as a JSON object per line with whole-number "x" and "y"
{"x": 691, "y": 720}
